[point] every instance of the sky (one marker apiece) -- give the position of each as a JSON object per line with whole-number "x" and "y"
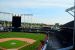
{"x": 43, "y": 11}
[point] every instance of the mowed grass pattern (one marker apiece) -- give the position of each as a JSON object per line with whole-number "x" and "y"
{"x": 36, "y": 36}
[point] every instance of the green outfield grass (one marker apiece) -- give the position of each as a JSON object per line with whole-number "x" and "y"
{"x": 38, "y": 37}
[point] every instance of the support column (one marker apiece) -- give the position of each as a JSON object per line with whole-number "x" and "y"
{"x": 74, "y": 27}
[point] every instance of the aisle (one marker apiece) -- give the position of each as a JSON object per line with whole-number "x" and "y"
{"x": 53, "y": 43}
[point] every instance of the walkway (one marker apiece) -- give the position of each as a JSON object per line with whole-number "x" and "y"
{"x": 53, "y": 43}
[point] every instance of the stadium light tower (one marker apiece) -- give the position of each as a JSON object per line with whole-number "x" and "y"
{"x": 71, "y": 11}
{"x": 6, "y": 13}
{"x": 18, "y": 15}
{"x": 14, "y": 14}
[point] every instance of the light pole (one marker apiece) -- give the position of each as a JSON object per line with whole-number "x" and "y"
{"x": 72, "y": 9}
{"x": 74, "y": 27}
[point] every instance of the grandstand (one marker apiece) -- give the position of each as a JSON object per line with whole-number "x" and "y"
{"x": 26, "y": 22}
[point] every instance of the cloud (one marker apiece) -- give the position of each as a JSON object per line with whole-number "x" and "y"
{"x": 35, "y": 6}
{"x": 37, "y": 3}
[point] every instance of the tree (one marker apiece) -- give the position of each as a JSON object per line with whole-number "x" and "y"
{"x": 56, "y": 26}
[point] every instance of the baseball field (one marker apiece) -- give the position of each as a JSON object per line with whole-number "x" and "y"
{"x": 20, "y": 40}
